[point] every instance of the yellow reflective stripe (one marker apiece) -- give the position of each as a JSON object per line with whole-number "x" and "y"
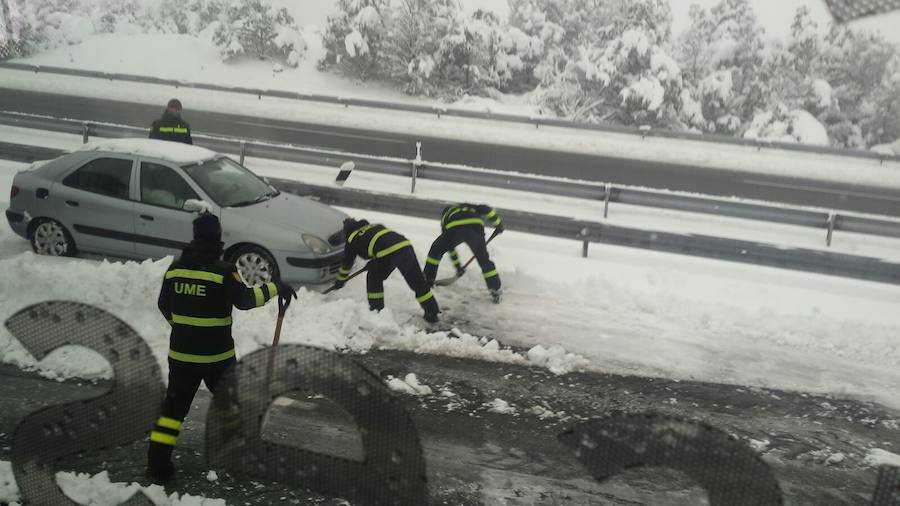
{"x": 180, "y": 130}
{"x": 343, "y": 271}
{"x": 166, "y": 130}
{"x": 453, "y": 253}
{"x": 467, "y": 221}
{"x": 260, "y": 298}
{"x": 192, "y": 274}
{"x": 387, "y": 251}
{"x": 425, "y": 297}
{"x": 342, "y": 277}
{"x": 376, "y": 295}
{"x": 163, "y": 438}
{"x": 353, "y": 235}
{"x": 433, "y": 261}
{"x": 200, "y": 359}
{"x": 273, "y": 289}
{"x": 169, "y": 423}
{"x": 201, "y": 322}
{"x": 491, "y": 214}
{"x": 490, "y": 274}
{"x": 496, "y": 222}
{"x": 374, "y": 239}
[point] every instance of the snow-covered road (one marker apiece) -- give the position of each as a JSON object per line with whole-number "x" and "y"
{"x": 621, "y": 310}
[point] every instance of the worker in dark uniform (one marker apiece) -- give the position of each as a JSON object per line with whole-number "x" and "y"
{"x": 171, "y": 127}
{"x": 464, "y": 223}
{"x": 387, "y": 250}
{"x": 197, "y": 296}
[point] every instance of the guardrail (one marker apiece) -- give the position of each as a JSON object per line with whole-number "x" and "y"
{"x": 537, "y": 121}
{"x": 415, "y": 169}
{"x": 585, "y": 231}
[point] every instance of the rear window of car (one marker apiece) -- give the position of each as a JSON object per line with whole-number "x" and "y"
{"x": 104, "y": 176}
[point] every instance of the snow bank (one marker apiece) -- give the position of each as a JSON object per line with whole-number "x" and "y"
{"x": 878, "y": 457}
{"x": 98, "y": 490}
{"x": 797, "y": 126}
{"x": 408, "y": 385}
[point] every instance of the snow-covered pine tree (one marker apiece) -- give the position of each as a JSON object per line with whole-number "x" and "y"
{"x": 354, "y": 36}
{"x": 252, "y": 28}
{"x": 722, "y": 52}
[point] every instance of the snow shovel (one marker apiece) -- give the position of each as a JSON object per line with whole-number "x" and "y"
{"x": 357, "y": 273}
{"x": 282, "y": 309}
{"x": 450, "y": 281}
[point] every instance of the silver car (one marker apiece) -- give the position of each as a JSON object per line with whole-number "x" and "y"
{"x": 128, "y": 198}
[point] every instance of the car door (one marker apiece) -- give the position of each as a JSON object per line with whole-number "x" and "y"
{"x": 94, "y": 202}
{"x": 162, "y": 225}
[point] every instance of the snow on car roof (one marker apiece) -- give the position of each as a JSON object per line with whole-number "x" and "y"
{"x": 175, "y": 152}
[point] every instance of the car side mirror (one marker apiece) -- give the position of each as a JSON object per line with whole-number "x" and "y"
{"x": 197, "y": 206}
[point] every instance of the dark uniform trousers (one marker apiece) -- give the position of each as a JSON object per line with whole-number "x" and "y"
{"x": 197, "y": 298}
{"x": 406, "y": 262}
{"x": 464, "y": 223}
{"x": 385, "y": 250}
{"x": 473, "y": 236}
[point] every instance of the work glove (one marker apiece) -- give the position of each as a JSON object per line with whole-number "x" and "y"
{"x": 460, "y": 270}
{"x": 285, "y": 294}
{"x": 337, "y": 285}
{"x": 499, "y": 229}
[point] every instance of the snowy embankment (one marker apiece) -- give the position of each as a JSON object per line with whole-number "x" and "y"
{"x": 624, "y": 215}
{"x": 621, "y": 311}
{"x": 820, "y": 167}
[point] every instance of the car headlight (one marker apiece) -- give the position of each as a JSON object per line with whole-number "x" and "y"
{"x": 316, "y": 245}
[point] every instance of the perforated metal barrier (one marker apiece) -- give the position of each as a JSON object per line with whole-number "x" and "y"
{"x": 393, "y": 468}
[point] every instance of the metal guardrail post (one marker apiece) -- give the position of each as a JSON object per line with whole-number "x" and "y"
{"x": 415, "y": 166}
{"x": 585, "y": 241}
{"x": 243, "y": 151}
{"x": 607, "y": 190}
{"x": 85, "y": 132}
{"x": 832, "y": 217}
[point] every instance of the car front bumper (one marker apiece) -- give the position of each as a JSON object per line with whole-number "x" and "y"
{"x": 308, "y": 270}
{"x": 18, "y": 222}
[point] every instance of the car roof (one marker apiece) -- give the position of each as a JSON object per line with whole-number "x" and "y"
{"x": 175, "y": 152}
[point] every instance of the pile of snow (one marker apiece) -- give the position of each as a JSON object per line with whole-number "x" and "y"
{"x": 878, "y": 457}
{"x": 408, "y": 385}
{"x": 9, "y": 490}
{"x": 892, "y": 149}
{"x": 500, "y": 406}
{"x": 824, "y": 93}
{"x": 98, "y": 490}
{"x": 797, "y": 126}
{"x": 176, "y": 152}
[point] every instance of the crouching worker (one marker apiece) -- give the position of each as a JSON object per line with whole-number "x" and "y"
{"x": 197, "y": 296}
{"x": 464, "y": 223}
{"x": 386, "y": 250}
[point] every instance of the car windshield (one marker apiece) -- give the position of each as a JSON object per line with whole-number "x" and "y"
{"x": 228, "y": 183}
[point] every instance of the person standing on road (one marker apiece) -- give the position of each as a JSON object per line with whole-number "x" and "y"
{"x": 171, "y": 127}
{"x": 386, "y": 250}
{"x": 464, "y": 223}
{"x": 198, "y": 293}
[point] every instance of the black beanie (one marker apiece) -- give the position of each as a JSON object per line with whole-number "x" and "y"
{"x": 174, "y": 104}
{"x": 207, "y": 229}
{"x": 351, "y": 225}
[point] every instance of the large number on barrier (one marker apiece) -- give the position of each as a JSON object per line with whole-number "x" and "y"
{"x": 393, "y": 469}
{"x": 117, "y": 417}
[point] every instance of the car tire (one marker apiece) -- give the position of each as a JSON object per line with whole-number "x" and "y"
{"x": 50, "y": 237}
{"x": 255, "y": 265}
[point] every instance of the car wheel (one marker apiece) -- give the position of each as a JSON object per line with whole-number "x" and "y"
{"x": 255, "y": 265}
{"x": 51, "y": 238}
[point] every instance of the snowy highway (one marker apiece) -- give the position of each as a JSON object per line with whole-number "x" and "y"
{"x": 585, "y": 155}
